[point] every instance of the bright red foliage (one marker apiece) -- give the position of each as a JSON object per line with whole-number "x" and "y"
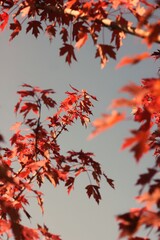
{"x": 38, "y": 155}
{"x": 36, "y": 150}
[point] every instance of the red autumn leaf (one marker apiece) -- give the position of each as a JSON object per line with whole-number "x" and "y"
{"x": 35, "y": 26}
{"x": 40, "y": 202}
{"x": 53, "y": 177}
{"x": 133, "y": 60}
{"x": 139, "y": 143}
{"x": 105, "y": 122}
{"x": 79, "y": 171}
{"x": 69, "y": 51}
{"x": 117, "y": 36}
{"x": 26, "y": 93}
{"x": 64, "y": 34}
{"x": 93, "y": 190}
{"x": 15, "y": 127}
{"x": 130, "y": 223}
{"x": 103, "y": 51}
{"x": 70, "y": 184}
{"x": 150, "y": 198}
{"x": 15, "y": 137}
{"x": 4, "y": 19}
{"x": 146, "y": 177}
{"x": 24, "y": 174}
{"x": 82, "y": 40}
{"x": 48, "y": 236}
{"x": 27, "y": 107}
{"x": 36, "y": 165}
{"x": 5, "y": 226}
{"x": 51, "y": 31}
{"x": 16, "y": 27}
{"x": 29, "y": 233}
{"x": 110, "y": 181}
{"x": 70, "y": 3}
{"x": 49, "y": 102}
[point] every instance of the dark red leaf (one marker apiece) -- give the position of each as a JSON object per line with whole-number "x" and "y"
{"x": 93, "y": 190}
{"x": 69, "y": 51}
{"x": 109, "y": 180}
{"x": 103, "y": 51}
{"x": 16, "y": 27}
{"x": 51, "y": 31}
{"x": 35, "y": 26}
{"x": 146, "y": 177}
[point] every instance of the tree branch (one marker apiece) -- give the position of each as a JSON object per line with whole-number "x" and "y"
{"x": 138, "y": 32}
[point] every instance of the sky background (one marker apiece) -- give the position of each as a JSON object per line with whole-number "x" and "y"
{"x": 36, "y": 62}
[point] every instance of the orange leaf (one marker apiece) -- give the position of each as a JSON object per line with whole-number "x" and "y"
{"x": 83, "y": 38}
{"x": 36, "y": 165}
{"x": 132, "y": 60}
{"x": 105, "y": 122}
{"x": 139, "y": 143}
{"x": 15, "y": 127}
{"x": 16, "y": 27}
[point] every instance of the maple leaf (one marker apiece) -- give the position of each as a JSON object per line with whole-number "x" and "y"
{"x": 51, "y": 31}
{"x": 69, "y": 50}
{"x": 53, "y": 177}
{"x": 15, "y": 127}
{"x": 29, "y": 233}
{"x": 40, "y": 200}
{"x": 49, "y": 102}
{"x": 48, "y": 236}
{"x": 25, "y": 94}
{"x": 16, "y": 27}
{"x": 150, "y": 199}
{"x": 34, "y": 26}
{"x": 4, "y": 19}
{"x": 133, "y": 60}
{"x": 139, "y": 143}
{"x": 5, "y": 226}
{"x": 102, "y": 52}
{"x": 36, "y": 165}
{"x": 105, "y": 122}
{"x": 82, "y": 40}
{"x": 93, "y": 190}
{"x": 128, "y": 223}
{"x": 146, "y": 177}
{"x": 27, "y": 107}
{"x": 118, "y": 37}
{"x": 64, "y": 34}
{"x": 70, "y": 184}
{"x": 109, "y": 181}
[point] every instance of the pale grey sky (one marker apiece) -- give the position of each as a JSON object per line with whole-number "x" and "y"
{"x": 36, "y": 62}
